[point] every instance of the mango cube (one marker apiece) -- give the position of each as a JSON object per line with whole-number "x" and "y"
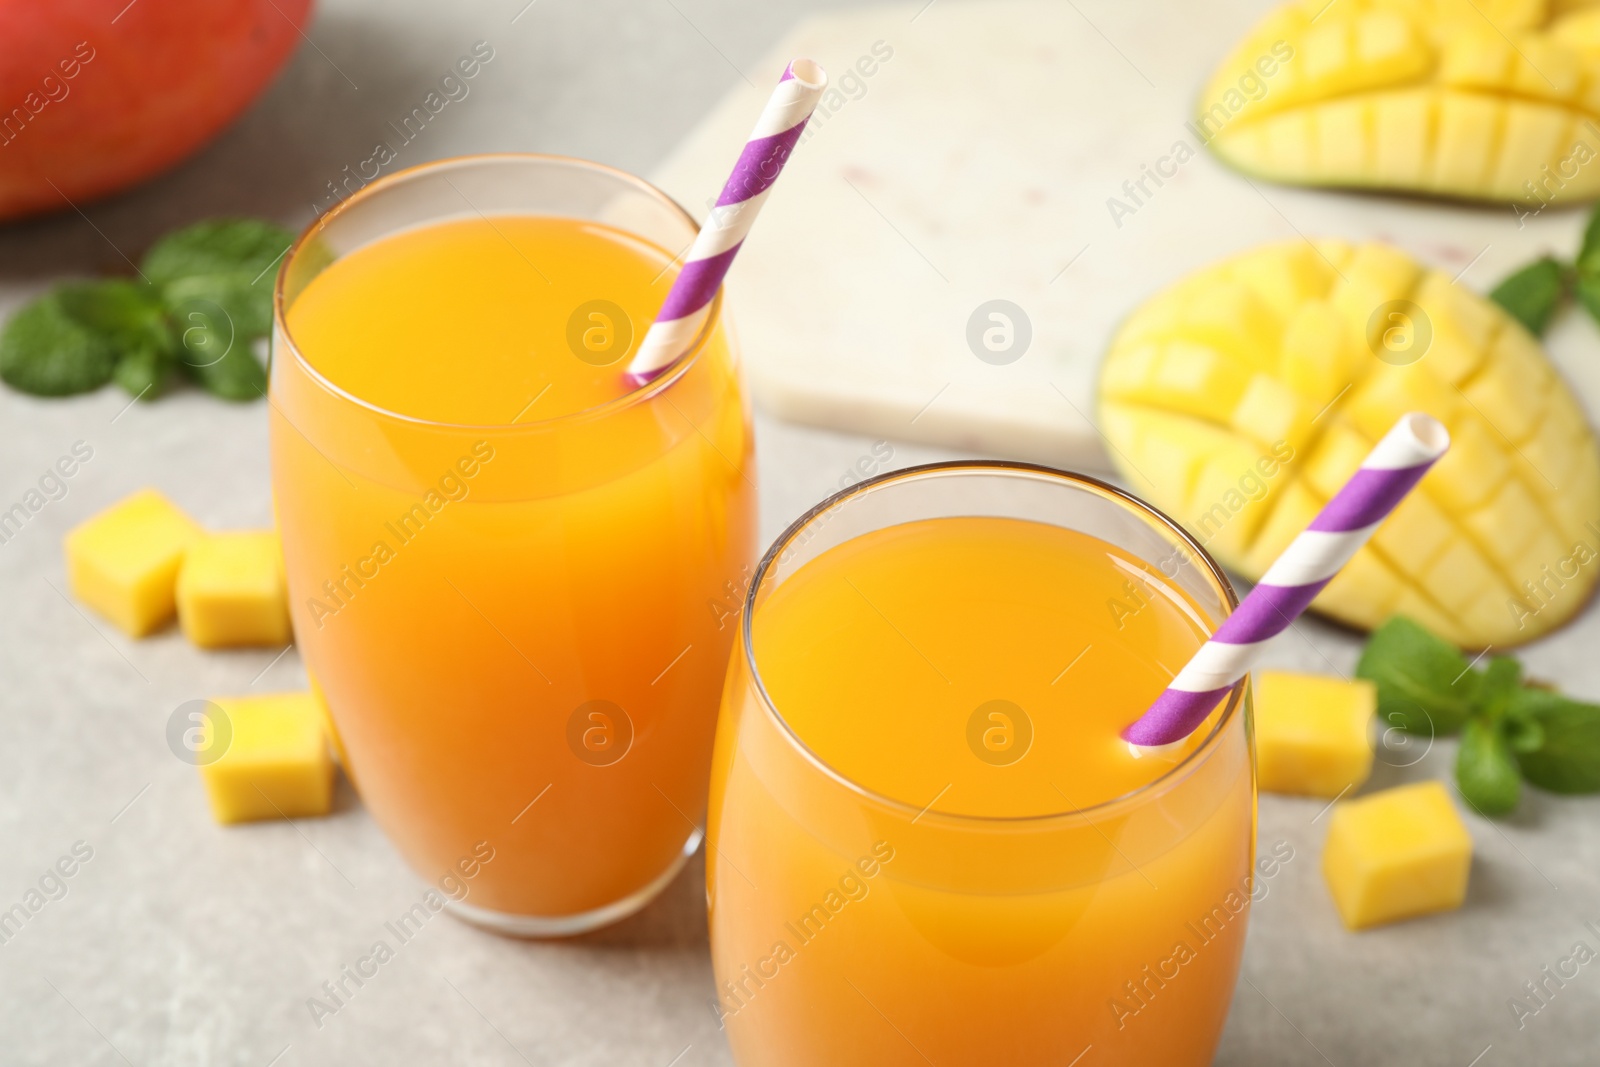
{"x": 1313, "y": 733}
{"x": 124, "y": 561}
{"x": 1396, "y": 854}
{"x": 274, "y": 762}
{"x": 231, "y": 591}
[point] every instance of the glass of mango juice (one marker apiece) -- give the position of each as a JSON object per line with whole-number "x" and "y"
{"x": 511, "y": 565}
{"x": 928, "y": 841}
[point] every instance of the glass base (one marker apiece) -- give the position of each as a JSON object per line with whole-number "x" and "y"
{"x": 538, "y": 926}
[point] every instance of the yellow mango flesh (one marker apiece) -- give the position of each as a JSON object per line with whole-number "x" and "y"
{"x": 1243, "y": 431}
{"x": 124, "y": 562}
{"x": 1472, "y": 99}
{"x": 1313, "y": 733}
{"x": 274, "y": 762}
{"x": 231, "y": 591}
{"x": 1396, "y": 854}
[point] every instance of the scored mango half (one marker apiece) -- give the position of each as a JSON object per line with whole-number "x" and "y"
{"x": 1475, "y": 99}
{"x": 1240, "y": 399}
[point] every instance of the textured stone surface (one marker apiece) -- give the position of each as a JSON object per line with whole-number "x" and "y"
{"x": 180, "y": 942}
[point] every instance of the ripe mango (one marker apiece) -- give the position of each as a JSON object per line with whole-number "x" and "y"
{"x": 1474, "y": 99}
{"x": 1240, "y": 399}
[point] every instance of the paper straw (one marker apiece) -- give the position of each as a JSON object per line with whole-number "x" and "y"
{"x": 770, "y": 144}
{"x": 1384, "y": 478}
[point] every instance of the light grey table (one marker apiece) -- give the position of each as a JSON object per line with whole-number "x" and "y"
{"x": 179, "y": 942}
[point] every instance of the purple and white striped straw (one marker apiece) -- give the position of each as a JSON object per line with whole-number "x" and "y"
{"x": 1392, "y": 470}
{"x": 768, "y": 148}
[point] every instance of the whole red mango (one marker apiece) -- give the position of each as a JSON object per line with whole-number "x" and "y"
{"x": 96, "y": 95}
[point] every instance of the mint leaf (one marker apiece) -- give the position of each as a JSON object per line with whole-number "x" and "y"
{"x": 219, "y": 246}
{"x": 47, "y": 351}
{"x": 216, "y": 354}
{"x": 223, "y": 268}
{"x": 1567, "y": 759}
{"x": 1588, "y": 259}
{"x": 246, "y": 309}
{"x": 1532, "y": 294}
{"x": 1587, "y": 290}
{"x": 144, "y": 372}
{"x": 1485, "y": 771}
{"x": 1423, "y": 681}
{"x": 237, "y": 376}
{"x": 130, "y": 317}
{"x": 124, "y": 311}
{"x": 1497, "y": 687}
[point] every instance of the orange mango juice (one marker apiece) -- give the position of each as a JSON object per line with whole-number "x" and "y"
{"x": 937, "y": 848}
{"x": 510, "y": 570}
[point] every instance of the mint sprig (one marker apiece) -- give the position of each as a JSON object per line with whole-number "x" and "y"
{"x": 1512, "y": 730}
{"x": 204, "y": 297}
{"x": 1533, "y": 294}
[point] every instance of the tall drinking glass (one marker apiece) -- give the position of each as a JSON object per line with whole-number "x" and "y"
{"x": 512, "y": 574}
{"x": 928, "y": 844}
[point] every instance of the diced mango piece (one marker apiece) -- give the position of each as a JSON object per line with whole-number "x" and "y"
{"x": 1295, "y": 508}
{"x": 1476, "y": 99}
{"x": 1366, "y": 585}
{"x": 1343, "y": 143}
{"x": 1335, "y": 458}
{"x": 275, "y": 764}
{"x": 1396, "y": 854}
{"x": 1508, "y": 398}
{"x": 231, "y": 591}
{"x": 1402, "y": 122}
{"x": 1313, "y": 733}
{"x": 1508, "y": 524}
{"x": 1186, "y": 419}
{"x": 1270, "y": 412}
{"x": 1286, "y": 278}
{"x": 124, "y": 562}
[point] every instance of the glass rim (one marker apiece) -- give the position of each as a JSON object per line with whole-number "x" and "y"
{"x": 674, "y": 371}
{"x": 1182, "y": 769}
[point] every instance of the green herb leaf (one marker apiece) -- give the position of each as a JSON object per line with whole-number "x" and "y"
{"x": 144, "y": 372}
{"x": 1522, "y": 732}
{"x": 219, "y": 246}
{"x": 238, "y": 309}
{"x": 1588, "y": 259}
{"x": 130, "y": 317}
{"x": 1485, "y": 771}
{"x": 1424, "y": 683}
{"x": 1567, "y": 759}
{"x": 1532, "y": 294}
{"x": 1587, "y": 289}
{"x": 1497, "y": 687}
{"x": 47, "y": 351}
{"x": 213, "y": 354}
{"x": 222, "y": 268}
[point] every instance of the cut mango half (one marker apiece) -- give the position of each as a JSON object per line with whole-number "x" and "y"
{"x": 1240, "y": 399}
{"x": 1474, "y": 99}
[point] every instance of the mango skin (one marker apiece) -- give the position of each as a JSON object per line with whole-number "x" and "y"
{"x": 102, "y": 94}
{"x": 1495, "y": 100}
{"x": 1241, "y": 398}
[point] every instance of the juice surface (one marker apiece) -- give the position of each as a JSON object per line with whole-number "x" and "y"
{"x": 900, "y": 656}
{"x": 521, "y": 628}
{"x": 468, "y": 321}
